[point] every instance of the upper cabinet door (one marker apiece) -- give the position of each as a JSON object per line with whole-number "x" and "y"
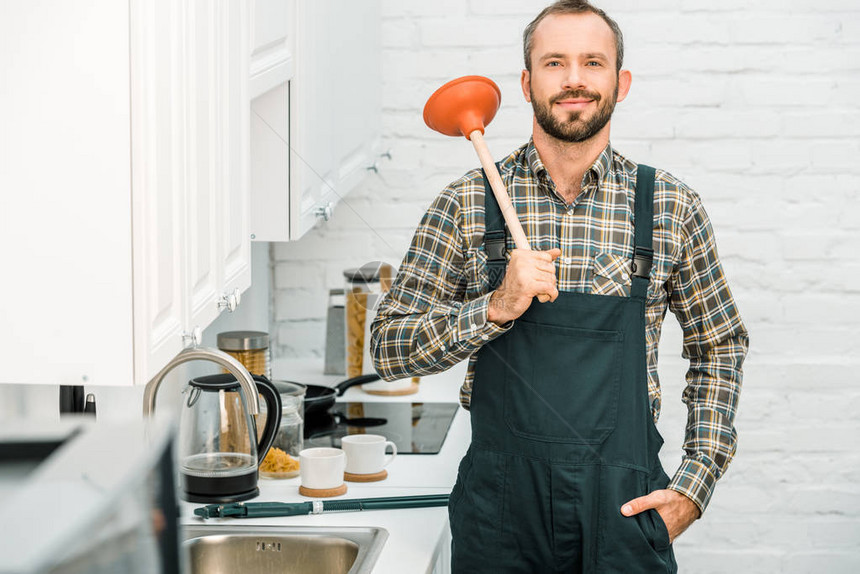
{"x": 218, "y": 181}
{"x": 124, "y": 182}
{"x": 65, "y": 193}
{"x": 354, "y": 91}
{"x": 191, "y": 65}
{"x": 333, "y": 100}
{"x": 159, "y": 154}
{"x": 234, "y": 119}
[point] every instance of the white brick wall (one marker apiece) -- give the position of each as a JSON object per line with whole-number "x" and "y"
{"x": 755, "y": 105}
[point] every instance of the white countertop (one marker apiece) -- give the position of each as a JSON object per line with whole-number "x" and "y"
{"x": 415, "y": 536}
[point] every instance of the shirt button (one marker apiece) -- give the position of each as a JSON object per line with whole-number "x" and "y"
{"x": 570, "y": 211}
{"x": 473, "y": 327}
{"x": 624, "y": 276}
{"x": 443, "y": 348}
{"x": 485, "y": 337}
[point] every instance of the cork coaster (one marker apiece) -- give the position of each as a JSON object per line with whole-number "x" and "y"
{"x": 410, "y": 390}
{"x": 322, "y": 492}
{"x": 381, "y": 475}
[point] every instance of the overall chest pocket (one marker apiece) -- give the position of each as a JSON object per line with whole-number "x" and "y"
{"x": 611, "y": 275}
{"x": 566, "y": 391}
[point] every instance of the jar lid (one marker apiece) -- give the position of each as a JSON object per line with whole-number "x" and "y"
{"x": 243, "y": 340}
{"x": 368, "y": 273}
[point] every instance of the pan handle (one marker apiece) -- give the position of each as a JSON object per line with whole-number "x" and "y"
{"x": 359, "y": 380}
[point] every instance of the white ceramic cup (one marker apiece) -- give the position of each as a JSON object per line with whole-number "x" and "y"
{"x": 322, "y": 468}
{"x": 365, "y": 453}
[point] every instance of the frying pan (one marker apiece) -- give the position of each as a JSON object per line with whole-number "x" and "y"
{"x": 319, "y": 398}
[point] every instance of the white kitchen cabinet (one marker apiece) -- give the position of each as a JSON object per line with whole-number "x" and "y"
{"x": 125, "y": 182}
{"x": 317, "y": 132}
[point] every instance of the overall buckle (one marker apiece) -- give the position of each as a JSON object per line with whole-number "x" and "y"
{"x": 494, "y": 244}
{"x": 642, "y": 259}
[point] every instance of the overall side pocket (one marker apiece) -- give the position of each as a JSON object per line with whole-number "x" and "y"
{"x": 457, "y": 491}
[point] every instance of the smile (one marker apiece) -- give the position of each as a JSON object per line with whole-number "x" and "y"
{"x": 573, "y": 104}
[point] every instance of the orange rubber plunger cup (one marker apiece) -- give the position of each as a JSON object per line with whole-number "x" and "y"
{"x": 462, "y": 106}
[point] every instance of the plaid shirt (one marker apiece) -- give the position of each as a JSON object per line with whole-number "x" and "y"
{"x": 435, "y": 314}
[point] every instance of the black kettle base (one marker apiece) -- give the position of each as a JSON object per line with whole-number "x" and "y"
{"x": 234, "y": 487}
{"x": 221, "y": 499}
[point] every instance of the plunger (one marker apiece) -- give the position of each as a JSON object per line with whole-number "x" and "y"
{"x": 464, "y": 107}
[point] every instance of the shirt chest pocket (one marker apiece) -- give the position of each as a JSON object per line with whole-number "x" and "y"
{"x": 611, "y": 275}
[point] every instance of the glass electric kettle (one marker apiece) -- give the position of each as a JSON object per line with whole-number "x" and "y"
{"x": 218, "y": 448}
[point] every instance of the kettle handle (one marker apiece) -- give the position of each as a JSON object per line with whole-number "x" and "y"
{"x": 273, "y": 415}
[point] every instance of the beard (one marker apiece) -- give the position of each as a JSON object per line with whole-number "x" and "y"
{"x": 574, "y": 129}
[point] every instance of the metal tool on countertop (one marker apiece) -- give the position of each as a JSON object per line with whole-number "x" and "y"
{"x": 268, "y": 509}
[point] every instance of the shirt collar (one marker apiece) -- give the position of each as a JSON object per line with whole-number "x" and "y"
{"x": 593, "y": 176}
{"x": 601, "y": 166}
{"x": 535, "y": 164}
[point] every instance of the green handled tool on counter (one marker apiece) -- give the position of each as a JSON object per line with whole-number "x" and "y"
{"x": 265, "y": 509}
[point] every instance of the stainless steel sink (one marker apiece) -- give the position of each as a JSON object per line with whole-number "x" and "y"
{"x": 216, "y": 549}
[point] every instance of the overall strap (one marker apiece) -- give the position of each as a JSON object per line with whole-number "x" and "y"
{"x": 494, "y": 236}
{"x": 643, "y": 251}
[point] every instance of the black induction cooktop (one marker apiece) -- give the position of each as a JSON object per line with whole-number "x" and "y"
{"x": 416, "y": 428}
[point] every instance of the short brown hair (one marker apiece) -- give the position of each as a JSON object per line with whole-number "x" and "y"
{"x": 572, "y": 7}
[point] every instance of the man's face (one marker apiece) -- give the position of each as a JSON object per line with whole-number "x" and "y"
{"x": 573, "y": 84}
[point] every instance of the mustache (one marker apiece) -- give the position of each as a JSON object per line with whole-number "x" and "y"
{"x": 575, "y": 94}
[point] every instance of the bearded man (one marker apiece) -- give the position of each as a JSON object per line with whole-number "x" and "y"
{"x": 563, "y": 473}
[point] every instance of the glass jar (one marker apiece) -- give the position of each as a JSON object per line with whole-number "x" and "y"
{"x": 360, "y": 286}
{"x": 363, "y": 287}
{"x": 282, "y": 460}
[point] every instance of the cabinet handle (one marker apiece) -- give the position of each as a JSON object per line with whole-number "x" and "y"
{"x": 230, "y": 301}
{"x": 194, "y": 338}
{"x": 325, "y": 211}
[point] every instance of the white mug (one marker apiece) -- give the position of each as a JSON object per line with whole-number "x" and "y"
{"x": 365, "y": 453}
{"x": 322, "y": 468}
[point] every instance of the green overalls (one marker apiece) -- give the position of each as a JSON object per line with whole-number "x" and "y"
{"x": 562, "y": 432}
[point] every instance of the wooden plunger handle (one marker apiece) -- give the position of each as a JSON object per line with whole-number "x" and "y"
{"x": 499, "y": 190}
{"x": 501, "y": 193}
